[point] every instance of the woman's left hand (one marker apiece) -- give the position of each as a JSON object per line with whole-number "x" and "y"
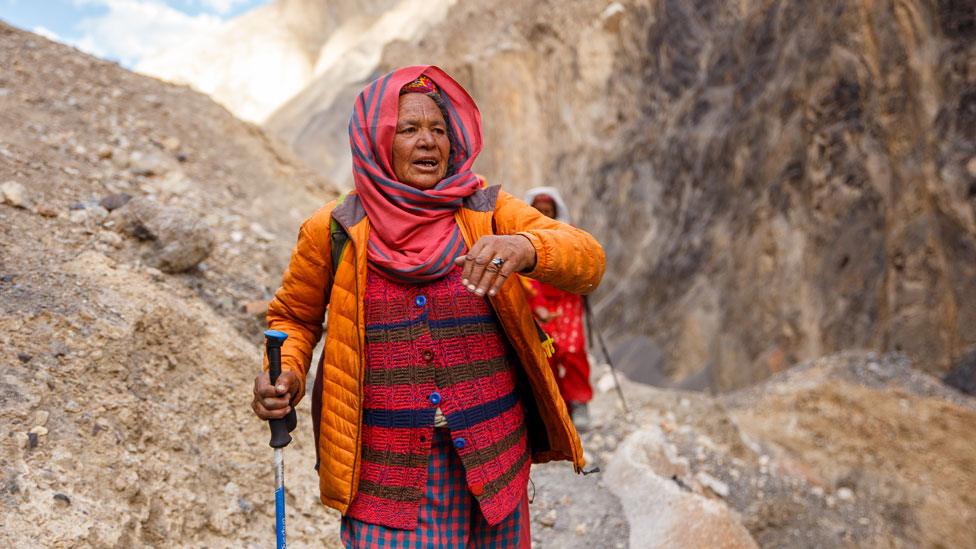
{"x": 482, "y": 272}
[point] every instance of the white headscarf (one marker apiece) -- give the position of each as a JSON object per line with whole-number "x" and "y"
{"x": 562, "y": 212}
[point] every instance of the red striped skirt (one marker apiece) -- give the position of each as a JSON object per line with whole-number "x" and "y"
{"x": 449, "y": 515}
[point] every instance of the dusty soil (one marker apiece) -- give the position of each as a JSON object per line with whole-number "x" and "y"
{"x": 124, "y": 391}
{"x": 899, "y": 442}
{"x": 570, "y": 510}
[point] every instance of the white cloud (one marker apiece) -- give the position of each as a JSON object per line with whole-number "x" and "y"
{"x": 222, "y": 6}
{"x": 133, "y": 29}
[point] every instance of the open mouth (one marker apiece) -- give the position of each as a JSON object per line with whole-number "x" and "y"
{"x": 426, "y": 164}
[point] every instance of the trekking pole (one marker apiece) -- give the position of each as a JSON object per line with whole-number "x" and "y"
{"x": 603, "y": 348}
{"x": 279, "y": 432}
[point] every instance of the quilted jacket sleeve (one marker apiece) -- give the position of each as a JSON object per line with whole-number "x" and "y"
{"x": 566, "y": 257}
{"x": 299, "y": 305}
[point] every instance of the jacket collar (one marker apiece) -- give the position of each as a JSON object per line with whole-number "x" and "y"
{"x": 349, "y": 211}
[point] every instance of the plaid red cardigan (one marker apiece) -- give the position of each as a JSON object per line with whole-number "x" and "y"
{"x": 430, "y": 345}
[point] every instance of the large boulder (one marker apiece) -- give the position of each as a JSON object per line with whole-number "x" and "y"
{"x": 663, "y": 511}
{"x": 180, "y": 239}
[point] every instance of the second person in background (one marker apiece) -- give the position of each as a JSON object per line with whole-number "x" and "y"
{"x": 561, "y": 315}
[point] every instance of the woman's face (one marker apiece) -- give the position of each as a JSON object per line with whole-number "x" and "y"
{"x": 547, "y": 208}
{"x": 420, "y": 146}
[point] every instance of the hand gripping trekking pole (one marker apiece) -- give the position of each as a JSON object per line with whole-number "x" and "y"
{"x": 279, "y": 432}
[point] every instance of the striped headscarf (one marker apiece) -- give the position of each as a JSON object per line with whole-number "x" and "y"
{"x": 413, "y": 234}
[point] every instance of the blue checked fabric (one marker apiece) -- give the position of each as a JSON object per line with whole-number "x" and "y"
{"x": 449, "y": 516}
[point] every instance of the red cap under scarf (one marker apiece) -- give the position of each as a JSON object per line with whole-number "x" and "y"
{"x": 413, "y": 234}
{"x": 422, "y": 84}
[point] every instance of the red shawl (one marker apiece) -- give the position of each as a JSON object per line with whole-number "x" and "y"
{"x": 413, "y": 234}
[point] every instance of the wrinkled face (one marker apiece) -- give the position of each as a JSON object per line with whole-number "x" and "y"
{"x": 547, "y": 208}
{"x": 420, "y": 147}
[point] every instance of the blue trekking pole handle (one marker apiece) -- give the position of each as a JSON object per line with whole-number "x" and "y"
{"x": 279, "y": 432}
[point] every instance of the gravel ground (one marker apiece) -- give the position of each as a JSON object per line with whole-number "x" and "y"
{"x": 572, "y": 510}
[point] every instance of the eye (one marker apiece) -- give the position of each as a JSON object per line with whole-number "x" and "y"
{"x": 407, "y": 129}
{"x": 440, "y": 131}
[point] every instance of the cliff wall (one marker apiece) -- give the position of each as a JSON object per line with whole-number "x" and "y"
{"x": 773, "y": 181}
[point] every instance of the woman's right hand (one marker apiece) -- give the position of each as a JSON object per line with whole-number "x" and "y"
{"x": 481, "y": 276}
{"x": 274, "y": 402}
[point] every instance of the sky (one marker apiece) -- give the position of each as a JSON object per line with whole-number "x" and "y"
{"x": 122, "y": 30}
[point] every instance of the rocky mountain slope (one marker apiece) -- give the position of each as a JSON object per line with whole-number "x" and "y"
{"x": 141, "y": 226}
{"x": 755, "y": 214}
{"x": 773, "y": 180}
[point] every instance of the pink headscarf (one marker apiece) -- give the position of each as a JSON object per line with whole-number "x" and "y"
{"x": 413, "y": 234}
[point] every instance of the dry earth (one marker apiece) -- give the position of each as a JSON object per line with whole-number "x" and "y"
{"x": 124, "y": 390}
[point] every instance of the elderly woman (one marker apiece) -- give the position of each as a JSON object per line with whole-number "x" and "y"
{"x": 433, "y": 395}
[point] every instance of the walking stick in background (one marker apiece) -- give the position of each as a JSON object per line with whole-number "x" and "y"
{"x": 279, "y": 431}
{"x": 590, "y": 330}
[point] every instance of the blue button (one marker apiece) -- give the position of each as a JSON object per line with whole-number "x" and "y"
{"x": 459, "y": 443}
{"x": 435, "y": 398}
{"x": 420, "y": 300}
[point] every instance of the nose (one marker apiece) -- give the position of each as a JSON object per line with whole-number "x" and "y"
{"x": 425, "y": 139}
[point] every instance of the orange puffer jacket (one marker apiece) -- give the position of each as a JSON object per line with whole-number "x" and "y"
{"x": 566, "y": 257}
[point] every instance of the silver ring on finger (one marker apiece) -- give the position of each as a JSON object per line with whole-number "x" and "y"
{"x": 498, "y": 262}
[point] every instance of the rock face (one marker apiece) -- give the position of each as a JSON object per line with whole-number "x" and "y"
{"x": 314, "y": 121}
{"x": 772, "y": 181}
{"x": 124, "y": 417}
